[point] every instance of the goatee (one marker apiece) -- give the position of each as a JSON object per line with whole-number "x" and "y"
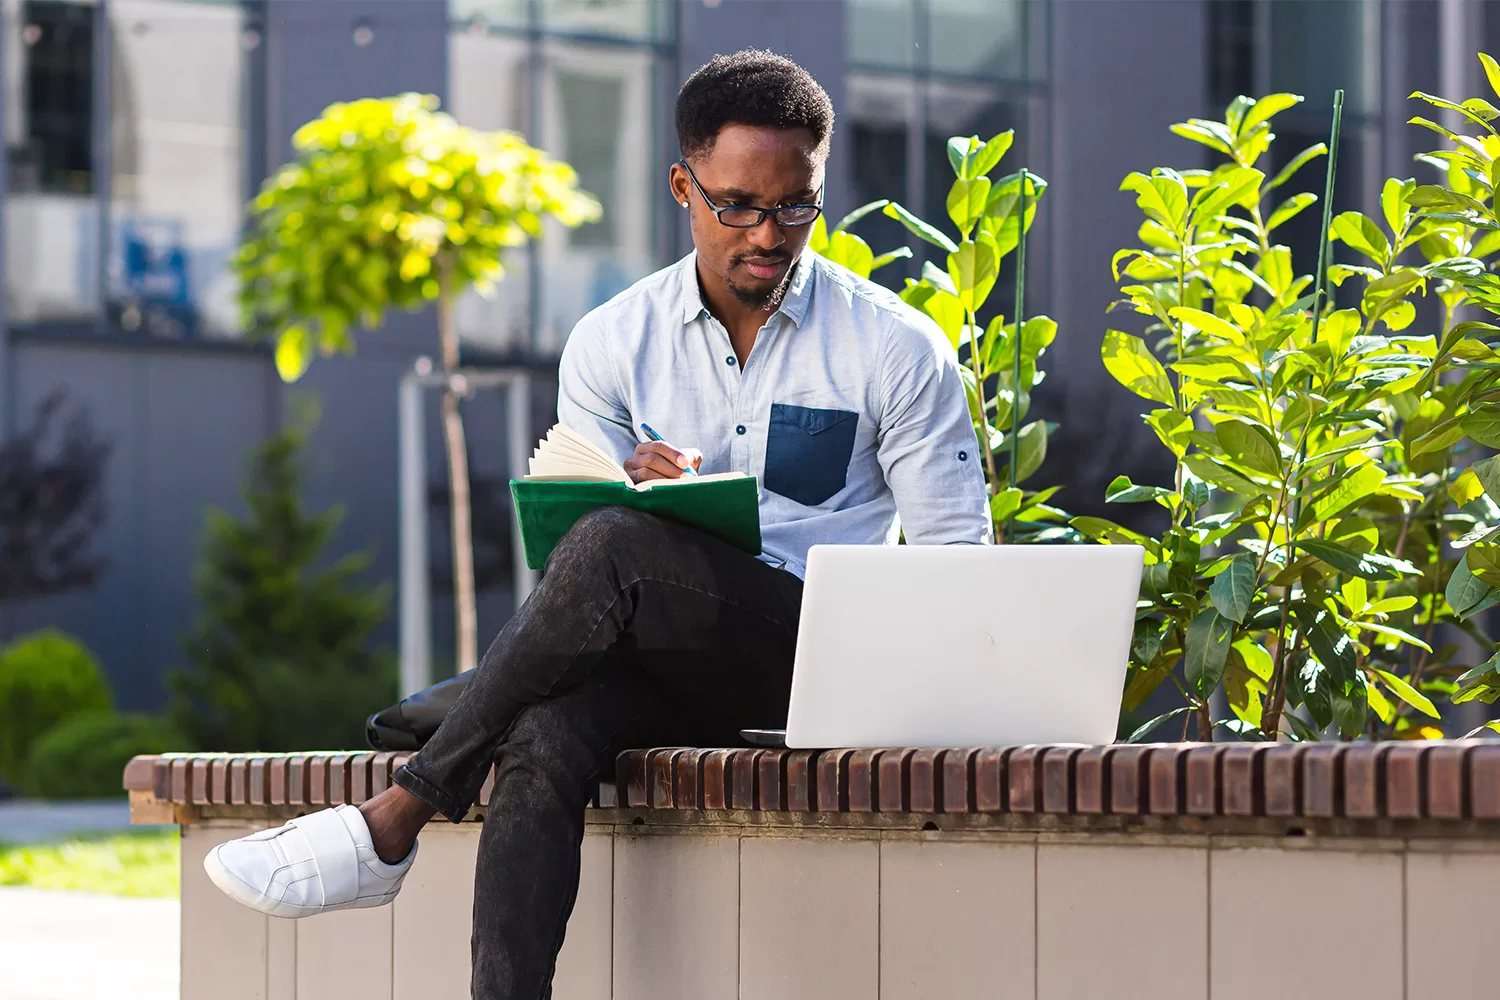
{"x": 768, "y": 300}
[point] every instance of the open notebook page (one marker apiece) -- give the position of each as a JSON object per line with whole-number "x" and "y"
{"x": 568, "y": 456}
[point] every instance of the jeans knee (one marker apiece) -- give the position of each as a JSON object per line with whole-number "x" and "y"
{"x": 546, "y": 743}
{"x": 608, "y": 532}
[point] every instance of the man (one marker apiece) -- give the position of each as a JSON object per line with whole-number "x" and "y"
{"x": 848, "y": 406}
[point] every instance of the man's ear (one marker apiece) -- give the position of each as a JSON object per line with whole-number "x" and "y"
{"x": 677, "y": 181}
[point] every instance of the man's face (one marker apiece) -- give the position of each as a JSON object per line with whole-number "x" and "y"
{"x": 760, "y": 168}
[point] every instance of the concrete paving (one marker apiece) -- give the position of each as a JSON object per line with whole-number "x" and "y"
{"x": 78, "y": 946}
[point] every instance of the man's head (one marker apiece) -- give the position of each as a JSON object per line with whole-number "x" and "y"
{"x": 754, "y": 129}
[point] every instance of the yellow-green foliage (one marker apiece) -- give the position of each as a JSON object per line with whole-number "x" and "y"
{"x": 385, "y": 198}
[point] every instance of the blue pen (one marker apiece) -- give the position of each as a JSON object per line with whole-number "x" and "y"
{"x": 689, "y": 471}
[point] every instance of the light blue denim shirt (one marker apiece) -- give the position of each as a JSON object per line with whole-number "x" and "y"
{"x": 850, "y": 407}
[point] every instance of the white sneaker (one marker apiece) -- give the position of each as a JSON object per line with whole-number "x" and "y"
{"x": 317, "y": 863}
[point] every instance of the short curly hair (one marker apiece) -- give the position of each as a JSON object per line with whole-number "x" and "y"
{"x": 750, "y": 87}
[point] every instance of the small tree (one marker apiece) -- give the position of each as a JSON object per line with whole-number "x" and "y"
{"x": 280, "y": 652}
{"x": 392, "y": 204}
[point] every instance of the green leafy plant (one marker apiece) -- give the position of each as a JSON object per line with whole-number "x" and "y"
{"x": 85, "y": 757}
{"x": 1464, "y": 235}
{"x": 1302, "y": 557}
{"x": 847, "y": 249}
{"x": 391, "y": 204}
{"x": 1000, "y": 370}
{"x": 46, "y": 678}
{"x": 280, "y": 655}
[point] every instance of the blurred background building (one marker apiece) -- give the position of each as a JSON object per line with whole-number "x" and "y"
{"x": 136, "y": 130}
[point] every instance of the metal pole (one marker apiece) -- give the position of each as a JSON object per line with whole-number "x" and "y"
{"x": 518, "y": 434}
{"x": 415, "y": 622}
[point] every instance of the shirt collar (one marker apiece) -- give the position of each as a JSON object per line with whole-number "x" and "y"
{"x": 794, "y": 303}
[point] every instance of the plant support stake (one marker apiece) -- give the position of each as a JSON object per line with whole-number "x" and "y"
{"x": 1321, "y": 277}
{"x": 1015, "y": 376}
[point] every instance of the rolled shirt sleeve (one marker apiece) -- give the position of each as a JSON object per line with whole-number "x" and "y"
{"x": 927, "y": 446}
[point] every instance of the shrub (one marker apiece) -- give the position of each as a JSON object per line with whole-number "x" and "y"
{"x": 84, "y": 757}
{"x": 280, "y": 655}
{"x": 45, "y": 678}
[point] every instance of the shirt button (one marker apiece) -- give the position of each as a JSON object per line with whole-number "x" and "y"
{"x": 740, "y": 429}
{"x": 729, "y": 360}
{"x": 963, "y": 456}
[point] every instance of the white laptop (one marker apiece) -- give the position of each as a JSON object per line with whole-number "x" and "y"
{"x": 961, "y": 645}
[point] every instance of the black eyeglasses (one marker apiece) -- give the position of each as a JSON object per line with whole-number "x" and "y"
{"x": 745, "y": 217}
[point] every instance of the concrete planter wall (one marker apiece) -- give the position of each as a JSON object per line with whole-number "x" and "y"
{"x": 1036, "y": 872}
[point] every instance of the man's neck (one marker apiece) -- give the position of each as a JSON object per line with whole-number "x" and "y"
{"x": 742, "y": 320}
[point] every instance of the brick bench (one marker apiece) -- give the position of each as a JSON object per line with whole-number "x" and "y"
{"x": 713, "y": 873}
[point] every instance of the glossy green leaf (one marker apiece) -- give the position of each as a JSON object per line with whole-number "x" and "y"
{"x": 1370, "y": 565}
{"x": 1208, "y": 323}
{"x": 1289, "y": 209}
{"x": 1266, "y": 107}
{"x": 1122, "y": 490}
{"x": 1297, "y": 162}
{"x": 919, "y": 228}
{"x": 850, "y": 251}
{"x": 890, "y": 257}
{"x": 990, "y": 153}
{"x": 1361, "y": 233}
{"x": 1488, "y": 473}
{"x": 1350, "y": 489}
{"x": 966, "y": 201}
{"x": 1234, "y": 588}
{"x": 1491, "y": 72}
{"x": 1483, "y": 425}
{"x": 1171, "y": 428}
{"x": 1133, "y": 366}
{"x": 1147, "y": 728}
{"x": 948, "y": 311}
{"x": 1031, "y": 450}
{"x": 860, "y": 213}
{"x": 973, "y": 268}
{"x": 1206, "y": 650}
{"x": 1163, "y": 199}
{"x": 1005, "y": 503}
{"x": 1248, "y": 446}
{"x": 1465, "y": 488}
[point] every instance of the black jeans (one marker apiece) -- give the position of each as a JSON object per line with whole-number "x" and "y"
{"x": 642, "y": 633}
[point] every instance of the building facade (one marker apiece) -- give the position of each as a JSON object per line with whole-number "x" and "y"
{"x": 136, "y": 130}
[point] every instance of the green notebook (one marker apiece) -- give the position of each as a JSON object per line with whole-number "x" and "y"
{"x": 570, "y": 477}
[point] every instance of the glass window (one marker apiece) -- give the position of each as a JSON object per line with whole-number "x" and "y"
{"x": 51, "y": 213}
{"x": 881, "y": 33}
{"x": 1231, "y": 51}
{"x": 969, "y": 110}
{"x": 878, "y": 111}
{"x": 596, "y": 113}
{"x": 177, "y": 157}
{"x": 483, "y": 14}
{"x": 978, "y": 37}
{"x": 1318, "y": 46}
{"x": 488, "y": 89}
{"x": 646, "y": 20}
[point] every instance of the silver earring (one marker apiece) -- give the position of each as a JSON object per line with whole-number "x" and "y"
{"x": 684, "y": 204}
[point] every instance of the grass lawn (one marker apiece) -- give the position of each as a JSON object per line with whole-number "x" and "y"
{"x": 143, "y": 863}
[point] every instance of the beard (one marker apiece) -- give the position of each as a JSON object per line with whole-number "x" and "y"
{"x": 766, "y": 299}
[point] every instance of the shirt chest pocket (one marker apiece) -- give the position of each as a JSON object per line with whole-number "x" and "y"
{"x": 808, "y": 452}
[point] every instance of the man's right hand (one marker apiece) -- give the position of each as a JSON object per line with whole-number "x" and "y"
{"x": 659, "y": 460}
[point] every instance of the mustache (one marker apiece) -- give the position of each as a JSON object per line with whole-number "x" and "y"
{"x": 774, "y": 257}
